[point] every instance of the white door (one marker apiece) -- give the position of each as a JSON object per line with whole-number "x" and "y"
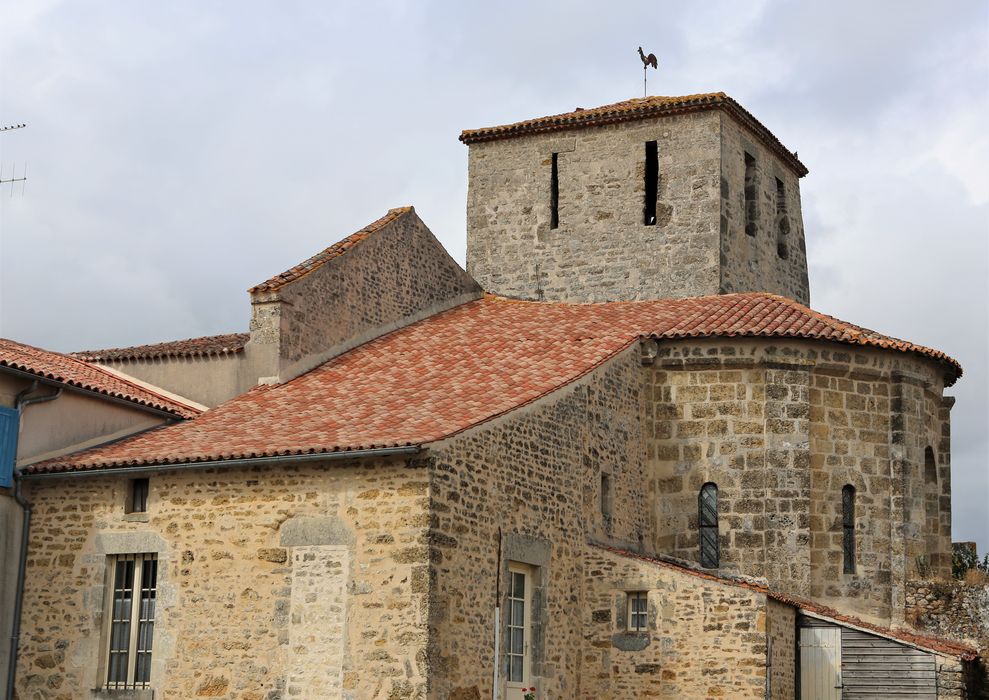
{"x": 518, "y": 624}
{"x": 820, "y": 663}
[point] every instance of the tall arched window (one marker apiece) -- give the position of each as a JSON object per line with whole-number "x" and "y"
{"x": 707, "y": 521}
{"x": 848, "y": 527}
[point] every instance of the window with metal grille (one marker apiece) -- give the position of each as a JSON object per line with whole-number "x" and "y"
{"x": 707, "y": 520}
{"x": 638, "y": 606}
{"x": 848, "y": 527}
{"x": 131, "y": 619}
{"x": 137, "y": 497}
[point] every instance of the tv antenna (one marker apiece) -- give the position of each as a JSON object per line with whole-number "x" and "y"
{"x": 647, "y": 61}
{"x": 13, "y": 176}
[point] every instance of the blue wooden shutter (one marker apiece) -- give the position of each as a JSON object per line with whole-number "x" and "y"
{"x": 8, "y": 445}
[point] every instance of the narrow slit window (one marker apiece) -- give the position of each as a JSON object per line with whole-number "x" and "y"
{"x": 652, "y": 183}
{"x": 131, "y": 615}
{"x": 782, "y": 221}
{"x": 137, "y": 497}
{"x": 707, "y": 519}
{"x": 638, "y": 609}
{"x": 751, "y": 200}
{"x": 606, "y": 499}
{"x": 554, "y": 194}
{"x": 930, "y": 466}
{"x": 848, "y": 528}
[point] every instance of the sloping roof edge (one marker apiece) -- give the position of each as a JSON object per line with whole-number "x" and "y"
{"x": 127, "y": 390}
{"x": 933, "y": 644}
{"x": 225, "y": 344}
{"x": 329, "y": 253}
{"x": 634, "y": 110}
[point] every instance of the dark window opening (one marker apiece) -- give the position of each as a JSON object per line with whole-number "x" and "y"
{"x": 137, "y": 498}
{"x": 848, "y": 527}
{"x": 554, "y": 195}
{"x": 707, "y": 520}
{"x": 652, "y": 183}
{"x": 782, "y": 221}
{"x": 930, "y": 466}
{"x": 606, "y": 498}
{"x": 751, "y": 201}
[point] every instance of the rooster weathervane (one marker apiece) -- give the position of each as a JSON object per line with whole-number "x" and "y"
{"x": 647, "y": 61}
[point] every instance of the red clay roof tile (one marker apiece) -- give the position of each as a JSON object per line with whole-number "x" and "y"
{"x": 324, "y": 256}
{"x": 636, "y": 109}
{"x": 190, "y": 347}
{"x": 61, "y": 368}
{"x": 456, "y": 369}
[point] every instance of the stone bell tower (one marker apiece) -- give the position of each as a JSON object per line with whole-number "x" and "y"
{"x": 651, "y": 198}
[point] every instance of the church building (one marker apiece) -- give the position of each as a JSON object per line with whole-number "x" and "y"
{"x": 618, "y": 456}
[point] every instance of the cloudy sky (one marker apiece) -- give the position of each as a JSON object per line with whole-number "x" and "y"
{"x": 180, "y": 152}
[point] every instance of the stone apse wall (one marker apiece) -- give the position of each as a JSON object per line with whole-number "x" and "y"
{"x": 781, "y": 429}
{"x": 273, "y": 582}
{"x": 602, "y": 249}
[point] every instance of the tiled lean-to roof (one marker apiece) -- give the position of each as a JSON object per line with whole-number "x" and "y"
{"x": 454, "y": 370}
{"x": 324, "y": 256}
{"x": 54, "y": 366}
{"x": 633, "y": 110}
{"x": 228, "y": 343}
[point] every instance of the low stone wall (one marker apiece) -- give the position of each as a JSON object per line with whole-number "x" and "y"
{"x": 704, "y": 638}
{"x": 951, "y": 609}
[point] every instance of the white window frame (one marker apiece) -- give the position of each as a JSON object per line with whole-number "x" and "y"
{"x": 514, "y": 690}
{"x": 637, "y": 620}
{"x": 135, "y": 621}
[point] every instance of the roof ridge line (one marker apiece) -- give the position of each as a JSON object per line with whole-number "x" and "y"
{"x": 334, "y": 250}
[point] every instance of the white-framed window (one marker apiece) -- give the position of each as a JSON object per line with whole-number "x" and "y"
{"x": 130, "y": 618}
{"x": 518, "y": 624}
{"x": 638, "y": 607}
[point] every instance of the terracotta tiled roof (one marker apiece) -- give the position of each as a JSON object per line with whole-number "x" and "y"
{"x": 335, "y": 250}
{"x": 944, "y": 646}
{"x": 57, "y": 367}
{"x": 190, "y": 347}
{"x": 635, "y": 109}
{"x": 454, "y": 370}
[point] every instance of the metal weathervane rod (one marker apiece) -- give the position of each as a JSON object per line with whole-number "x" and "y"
{"x": 647, "y": 61}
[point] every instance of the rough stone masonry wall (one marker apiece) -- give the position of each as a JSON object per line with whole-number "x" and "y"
{"x": 274, "y": 583}
{"x": 781, "y": 428}
{"x": 602, "y": 249}
{"x": 704, "y": 639}
{"x": 781, "y": 630}
{"x": 526, "y": 486}
{"x": 721, "y": 414}
{"x": 951, "y": 609}
{"x": 774, "y": 257}
{"x": 393, "y": 275}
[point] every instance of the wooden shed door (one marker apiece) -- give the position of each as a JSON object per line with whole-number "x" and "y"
{"x": 820, "y": 663}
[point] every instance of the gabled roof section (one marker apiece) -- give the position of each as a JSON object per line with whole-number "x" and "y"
{"x": 56, "y": 367}
{"x": 334, "y": 251}
{"x": 227, "y": 344}
{"x": 935, "y": 644}
{"x": 455, "y": 370}
{"x": 633, "y": 110}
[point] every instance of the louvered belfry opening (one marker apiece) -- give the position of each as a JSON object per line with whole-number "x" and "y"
{"x": 707, "y": 519}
